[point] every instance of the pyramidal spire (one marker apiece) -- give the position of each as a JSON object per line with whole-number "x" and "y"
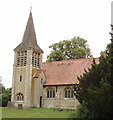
{"x": 31, "y": 8}
{"x": 29, "y": 39}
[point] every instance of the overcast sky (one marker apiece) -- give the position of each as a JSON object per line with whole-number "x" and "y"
{"x": 54, "y": 20}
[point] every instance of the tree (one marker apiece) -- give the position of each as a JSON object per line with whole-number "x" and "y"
{"x": 5, "y": 95}
{"x": 69, "y": 49}
{"x": 95, "y": 91}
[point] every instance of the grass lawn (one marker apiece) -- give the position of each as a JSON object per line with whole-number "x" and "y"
{"x": 35, "y": 113}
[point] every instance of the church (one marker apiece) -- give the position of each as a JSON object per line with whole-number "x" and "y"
{"x": 48, "y": 84}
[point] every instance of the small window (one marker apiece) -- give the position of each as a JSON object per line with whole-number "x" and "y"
{"x": 20, "y": 78}
{"x": 68, "y": 93}
{"x": 41, "y": 81}
{"x": 50, "y": 93}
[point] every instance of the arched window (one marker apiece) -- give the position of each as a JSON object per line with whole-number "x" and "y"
{"x": 36, "y": 59}
{"x": 22, "y": 58}
{"x": 68, "y": 93}
{"x": 50, "y": 93}
{"x": 19, "y": 97}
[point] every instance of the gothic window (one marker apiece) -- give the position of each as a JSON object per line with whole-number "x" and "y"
{"x": 19, "y": 97}
{"x": 50, "y": 93}
{"x": 68, "y": 93}
{"x": 35, "y": 59}
{"x": 21, "y": 58}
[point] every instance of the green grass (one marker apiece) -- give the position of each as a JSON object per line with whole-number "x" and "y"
{"x": 0, "y": 113}
{"x": 35, "y": 113}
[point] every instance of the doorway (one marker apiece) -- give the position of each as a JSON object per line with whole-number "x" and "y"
{"x": 20, "y": 106}
{"x": 40, "y": 101}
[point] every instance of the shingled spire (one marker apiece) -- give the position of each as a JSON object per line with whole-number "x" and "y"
{"x": 29, "y": 39}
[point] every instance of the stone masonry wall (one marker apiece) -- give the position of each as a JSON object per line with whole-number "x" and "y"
{"x": 59, "y": 101}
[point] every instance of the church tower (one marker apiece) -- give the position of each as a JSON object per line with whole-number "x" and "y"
{"x": 27, "y": 61}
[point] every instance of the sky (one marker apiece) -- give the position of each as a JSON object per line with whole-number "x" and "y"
{"x": 54, "y": 20}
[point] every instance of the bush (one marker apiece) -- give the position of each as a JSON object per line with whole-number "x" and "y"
{"x": 81, "y": 112}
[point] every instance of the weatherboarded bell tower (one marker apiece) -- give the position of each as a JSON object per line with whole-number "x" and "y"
{"x": 27, "y": 62}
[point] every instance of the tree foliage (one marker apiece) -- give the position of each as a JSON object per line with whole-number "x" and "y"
{"x": 5, "y": 95}
{"x": 95, "y": 91}
{"x": 69, "y": 49}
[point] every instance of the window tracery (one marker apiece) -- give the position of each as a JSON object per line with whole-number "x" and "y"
{"x": 21, "y": 58}
{"x": 19, "y": 97}
{"x": 50, "y": 93}
{"x": 68, "y": 93}
{"x": 35, "y": 59}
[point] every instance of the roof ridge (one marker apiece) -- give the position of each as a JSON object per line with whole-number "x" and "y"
{"x": 63, "y": 61}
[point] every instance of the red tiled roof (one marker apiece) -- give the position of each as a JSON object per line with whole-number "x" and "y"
{"x": 37, "y": 73}
{"x": 66, "y": 72}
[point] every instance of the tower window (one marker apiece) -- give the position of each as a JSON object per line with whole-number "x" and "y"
{"x": 19, "y": 97}
{"x": 20, "y": 78}
{"x": 21, "y": 58}
{"x": 35, "y": 59}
